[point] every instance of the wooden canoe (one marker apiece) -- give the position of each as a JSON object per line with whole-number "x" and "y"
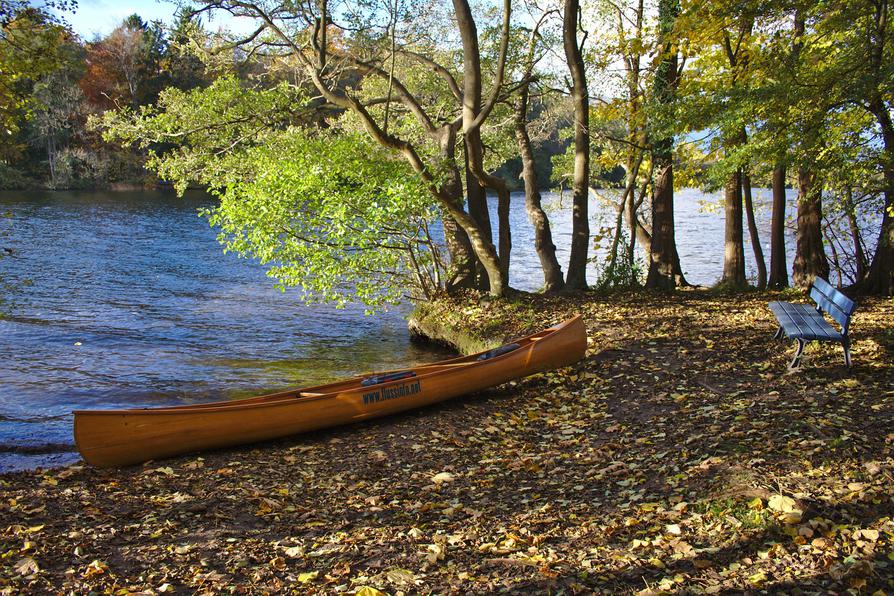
{"x": 124, "y": 437}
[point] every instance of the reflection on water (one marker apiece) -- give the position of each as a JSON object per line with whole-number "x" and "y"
{"x": 125, "y": 299}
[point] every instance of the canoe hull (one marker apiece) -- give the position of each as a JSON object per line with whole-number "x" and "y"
{"x": 124, "y": 437}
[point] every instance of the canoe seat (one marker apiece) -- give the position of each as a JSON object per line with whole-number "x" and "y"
{"x": 378, "y": 379}
{"x": 498, "y": 351}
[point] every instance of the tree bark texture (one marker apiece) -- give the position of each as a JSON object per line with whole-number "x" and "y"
{"x": 810, "y": 255}
{"x": 733, "y": 242}
{"x": 580, "y": 225}
{"x": 476, "y": 196}
{"x": 778, "y": 266}
{"x": 543, "y": 239}
{"x": 753, "y": 234}
{"x": 663, "y": 257}
{"x": 462, "y": 257}
{"x": 662, "y": 253}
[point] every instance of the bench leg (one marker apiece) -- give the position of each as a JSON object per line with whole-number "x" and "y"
{"x": 846, "y": 344}
{"x": 796, "y": 361}
{"x": 778, "y": 333}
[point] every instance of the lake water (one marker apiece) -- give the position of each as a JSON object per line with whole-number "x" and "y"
{"x": 125, "y": 300}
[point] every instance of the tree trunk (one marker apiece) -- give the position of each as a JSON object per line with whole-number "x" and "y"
{"x": 630, "y": 216}
{"x": 462, "y": 257}
{"x": 505, "y": 231}
{"x": 580, "y": 225}
{"x": 880, "y": 277}
{"x": 543, "y": 239}
{"x": 473, "y": 115}
{"x": 753, "y": 233}
{"x": 477, "y": 200}
{"x": 860, "y": 264}
{"x": 810, "y": 255}
{"x": 51, "y": 158}
{"x": 778, "y": 267}
{"x": 663, "y": 257}
{"x": 638, "y": 232}
{"x": 463, "y": 260}
{"x": 734, "y": 246}
{"x": 662, "y": 249}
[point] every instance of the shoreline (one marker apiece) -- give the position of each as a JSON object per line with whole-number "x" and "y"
{"x": 679, "y": 453}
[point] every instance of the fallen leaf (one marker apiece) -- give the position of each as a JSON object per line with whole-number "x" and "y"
{"x": 27, "y": 566}
{"x": 442, "y": 477}
{"x": 308, "y": 576}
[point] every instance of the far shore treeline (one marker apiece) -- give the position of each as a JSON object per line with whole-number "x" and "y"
{"x": 336, "y": 136}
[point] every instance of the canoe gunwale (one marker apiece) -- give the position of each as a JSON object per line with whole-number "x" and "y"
{"x": 294, "y": 395}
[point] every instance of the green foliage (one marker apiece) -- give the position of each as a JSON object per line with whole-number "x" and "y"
{"x": 32, "y": 45}
{"x": 201, "y": 136}
{"x": 14, "y": 179}
{"x": 329, "y": 212}
{"x": 616, "y": 272}
{"x": 333, "y": 215}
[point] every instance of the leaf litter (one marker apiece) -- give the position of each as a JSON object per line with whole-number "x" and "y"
{"x": 678, "y": 456}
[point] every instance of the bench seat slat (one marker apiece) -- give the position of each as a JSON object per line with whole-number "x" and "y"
{"x": 804, "y": 322}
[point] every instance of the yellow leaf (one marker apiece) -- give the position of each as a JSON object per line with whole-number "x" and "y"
{"x": 294, "y": 551}
{"x": 442, "y": 477}
{"x": 369, "y": 591}
{"x": 871, "y": 535}
{"x": 309, "y": 576}
{"x": 791, "y": 518}
{"x": 656, "y": 562}
{"x": 96, "y": 567}
{"x": 781, "y": 503}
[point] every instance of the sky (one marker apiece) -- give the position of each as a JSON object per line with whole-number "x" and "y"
{"x": 95, "y": 18}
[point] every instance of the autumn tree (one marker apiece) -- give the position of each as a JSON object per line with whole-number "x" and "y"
{"x": 123, "y": 67}
{"x": 33, "y": 44}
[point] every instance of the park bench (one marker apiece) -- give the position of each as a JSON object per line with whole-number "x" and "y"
{"x": 805, "y": 322}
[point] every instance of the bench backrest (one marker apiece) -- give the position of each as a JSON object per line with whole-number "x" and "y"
{"x": 839, "y": 306}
